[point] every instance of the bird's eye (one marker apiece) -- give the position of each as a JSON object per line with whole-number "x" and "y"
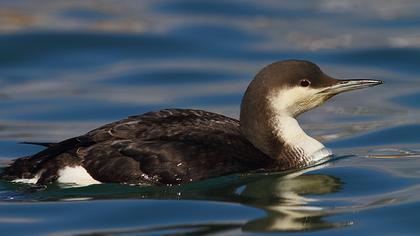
{"x": 305, "y": 83}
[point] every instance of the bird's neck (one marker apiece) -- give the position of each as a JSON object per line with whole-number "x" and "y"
{"x": 296, "y": 143}
{"x": 270, "y": 125}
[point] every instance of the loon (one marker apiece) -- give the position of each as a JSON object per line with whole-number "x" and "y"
{"x": 176, "y": 146}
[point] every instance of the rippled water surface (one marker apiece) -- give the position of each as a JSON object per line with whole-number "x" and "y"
{"x": 67, "y": 67}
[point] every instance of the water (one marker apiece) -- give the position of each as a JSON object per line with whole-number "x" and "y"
{"x": 68, "y": 67}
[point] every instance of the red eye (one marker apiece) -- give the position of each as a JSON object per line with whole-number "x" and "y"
{"x": 305, "y": 83}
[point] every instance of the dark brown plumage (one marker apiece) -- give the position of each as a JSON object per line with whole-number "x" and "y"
{"x": 165, "y": 147}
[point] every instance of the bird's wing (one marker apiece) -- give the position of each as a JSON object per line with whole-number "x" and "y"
{"x": 167, "y": 146}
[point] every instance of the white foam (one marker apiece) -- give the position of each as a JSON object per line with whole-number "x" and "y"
{"x": 34, "y": 180}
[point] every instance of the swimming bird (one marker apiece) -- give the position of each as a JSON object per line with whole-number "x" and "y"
{"x": 175, "y": 146}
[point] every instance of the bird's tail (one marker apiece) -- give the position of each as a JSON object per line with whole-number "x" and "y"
{"x": 40, "y": 144}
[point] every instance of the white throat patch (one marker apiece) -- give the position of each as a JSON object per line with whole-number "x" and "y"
{"x": 288, "y": 103}
{"x": 292, "y": 134}
{"x": 295, "y": 100}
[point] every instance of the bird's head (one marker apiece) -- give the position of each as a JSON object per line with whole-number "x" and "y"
{"x": 294, "y": 86}
{"x": 279, "y": 93}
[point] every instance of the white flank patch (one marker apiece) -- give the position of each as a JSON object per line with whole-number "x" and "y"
{"x": 34, "y": 180}
{"x": 75, "y": 175}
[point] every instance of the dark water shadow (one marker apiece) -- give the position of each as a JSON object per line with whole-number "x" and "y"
{"x": 290, "y": 202}
{"x": 283, "y": 198}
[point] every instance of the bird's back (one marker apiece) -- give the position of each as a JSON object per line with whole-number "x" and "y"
{"x": 165, "y": 147}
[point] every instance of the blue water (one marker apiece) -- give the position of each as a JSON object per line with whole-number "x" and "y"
{"x": 67, "y": 67}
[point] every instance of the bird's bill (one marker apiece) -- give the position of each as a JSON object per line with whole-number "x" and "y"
{"x": 350, "y": 84}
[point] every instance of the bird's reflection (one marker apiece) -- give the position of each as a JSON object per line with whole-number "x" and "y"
{"x": 287, "y": 203}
